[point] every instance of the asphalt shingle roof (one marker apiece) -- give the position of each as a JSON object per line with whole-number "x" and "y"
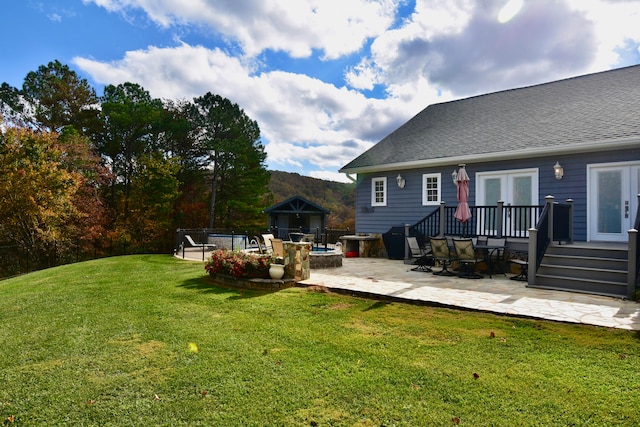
{"x": 600, "y": 107}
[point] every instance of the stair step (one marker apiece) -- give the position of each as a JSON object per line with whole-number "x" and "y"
{"x": 587, "y": 262}
{"x": 581, "y": 273}
{"x": 599, "y": 287}
{"x": 610, "y": 252}
{"x": 598, "y": 268}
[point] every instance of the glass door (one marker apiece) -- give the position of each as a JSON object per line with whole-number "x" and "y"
{"x": 612, "y": 201}
{"x": 515, "y": 188}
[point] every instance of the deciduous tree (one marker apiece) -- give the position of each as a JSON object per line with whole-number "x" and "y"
{"x": 36, "y": 188}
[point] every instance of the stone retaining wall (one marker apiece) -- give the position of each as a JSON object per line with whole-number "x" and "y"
{"x": 253, "y": 284}
{"x": 320, "y": 260}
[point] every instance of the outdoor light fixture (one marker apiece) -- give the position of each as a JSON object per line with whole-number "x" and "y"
{"x": 454, "y": 174}
{"x": 558, "y": 170}
{"x": 400, "y": 181}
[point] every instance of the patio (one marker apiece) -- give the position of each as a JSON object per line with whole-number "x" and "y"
{"x": 382, "y": 277}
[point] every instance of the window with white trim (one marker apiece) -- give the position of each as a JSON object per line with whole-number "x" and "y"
{"x": 379, "y": 191}
{"x": 431, "y": 183}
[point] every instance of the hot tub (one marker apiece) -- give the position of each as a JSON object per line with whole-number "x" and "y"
{"x": 325, "y": 258}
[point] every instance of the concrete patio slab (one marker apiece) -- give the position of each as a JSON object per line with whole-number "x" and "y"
{"x": 394, "y": 279}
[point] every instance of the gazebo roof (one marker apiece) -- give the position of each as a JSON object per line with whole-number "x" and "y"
{"x": 297, "y": 205}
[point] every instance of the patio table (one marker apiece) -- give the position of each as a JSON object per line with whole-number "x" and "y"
{"x": 488, "y": 251}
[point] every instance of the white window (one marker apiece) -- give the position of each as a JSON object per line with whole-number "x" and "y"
{"x": 431, "y": 189}
{"x": 379, "y": 191}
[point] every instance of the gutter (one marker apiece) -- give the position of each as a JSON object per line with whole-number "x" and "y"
{"x": 591, "y": 147}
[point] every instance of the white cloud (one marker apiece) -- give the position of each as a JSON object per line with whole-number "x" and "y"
{"x": 336, "y": 27}
{"x": 301, "y": 118}
{"x": 615, "y": 24}
{"x": 55, "y": 17}
{"x": 460, "y": 47}
{"x": 440, "y": 51}
{"x": 330, "y": 176}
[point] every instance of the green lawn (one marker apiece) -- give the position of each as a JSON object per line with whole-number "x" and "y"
{"x": 149, "y": 340}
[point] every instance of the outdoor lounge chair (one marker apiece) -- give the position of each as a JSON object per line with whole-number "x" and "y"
{"x": 198, "y": 245}
{"x": 467, "y": 258}
{"x": 422, "y": 257}
{"x": 267, "y": 242}
{"x": 443, "y": 255}
{"x": 278, "y": 248}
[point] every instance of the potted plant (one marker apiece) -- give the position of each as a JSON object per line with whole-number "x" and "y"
{"x": 276, "y": 268}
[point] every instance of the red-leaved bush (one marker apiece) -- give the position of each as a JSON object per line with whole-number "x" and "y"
{"x": 238, "y": 264}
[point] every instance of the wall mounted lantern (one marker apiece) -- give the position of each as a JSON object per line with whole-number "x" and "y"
{"x": 454, "y": 174}
{"x": 400, "y": 181}
{"x": 558, "y": 170}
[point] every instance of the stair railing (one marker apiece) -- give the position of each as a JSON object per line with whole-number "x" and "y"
{"x": 539, "y": 238}
{"x": 633, "y": 268}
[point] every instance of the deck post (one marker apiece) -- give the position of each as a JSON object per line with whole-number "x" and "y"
{"x": 549, "y": 201}
{"x": 499, "y": 218}
{"x": 531, "y": 258}
{"x": 406, "y": 243}
{"x": 632, "y": 266}
{"x": 443, "y": 218}
{"x": 570, "y": 203}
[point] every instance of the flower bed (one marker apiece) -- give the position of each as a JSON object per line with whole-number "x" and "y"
{"x": 241, "y": 265}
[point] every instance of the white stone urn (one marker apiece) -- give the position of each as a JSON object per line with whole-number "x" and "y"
{"x": 276, "y": 271}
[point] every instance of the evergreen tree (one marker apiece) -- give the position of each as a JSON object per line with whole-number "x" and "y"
{"x": 131, "y": 124}
{"x": 238, "y": 178}
{"x": 57, "y": 97}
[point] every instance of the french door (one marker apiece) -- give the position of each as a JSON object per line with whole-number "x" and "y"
{"x": 514, "y": 188}
{"x": 613, "y": 201}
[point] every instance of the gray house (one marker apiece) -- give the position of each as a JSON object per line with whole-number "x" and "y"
{"x": 576, "y": 139}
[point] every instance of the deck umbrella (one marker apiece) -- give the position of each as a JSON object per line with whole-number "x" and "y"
{"x": 463, "y": 213}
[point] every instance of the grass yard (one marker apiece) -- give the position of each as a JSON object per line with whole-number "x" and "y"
{"x": 149, "y": 340}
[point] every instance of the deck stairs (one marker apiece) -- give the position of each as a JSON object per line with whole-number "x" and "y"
{"x": 585, "y": 267}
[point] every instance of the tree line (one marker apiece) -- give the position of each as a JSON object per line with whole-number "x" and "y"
{"x": 124, "y": 166}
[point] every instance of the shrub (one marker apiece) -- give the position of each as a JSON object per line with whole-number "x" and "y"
{"x": 238, "y": 264}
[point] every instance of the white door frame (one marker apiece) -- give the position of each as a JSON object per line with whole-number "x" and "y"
{"x": 630, "y": 172}
{"x": 506, "y": 182}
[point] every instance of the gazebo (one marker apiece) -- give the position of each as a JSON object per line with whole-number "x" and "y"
{"x": 299, "y": 214}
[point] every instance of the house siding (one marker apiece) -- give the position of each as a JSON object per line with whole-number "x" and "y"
{"x": 404, "y": 206}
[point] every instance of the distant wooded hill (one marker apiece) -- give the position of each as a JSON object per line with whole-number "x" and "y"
{"x": 338, "y": 197}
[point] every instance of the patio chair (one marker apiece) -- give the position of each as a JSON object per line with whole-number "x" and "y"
{"x": 480, "y": 240}
{"x": 523, "y": 275}
{"x": 254, "y": 244}
{"x": 467, "y": 258}
{"x": 498, "y": 253}
{"x": 443, "y": 255}
{"x": 422, "y": 257}
{"x": 267, "y": 238}
{"x": 278, "y": 247}
{"x": 198, "y": 245}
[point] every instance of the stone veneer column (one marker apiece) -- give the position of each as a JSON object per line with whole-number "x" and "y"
{"x": 296, "y": 260}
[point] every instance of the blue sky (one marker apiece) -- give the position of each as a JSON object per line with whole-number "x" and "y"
{"x": 324, "y": 79}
